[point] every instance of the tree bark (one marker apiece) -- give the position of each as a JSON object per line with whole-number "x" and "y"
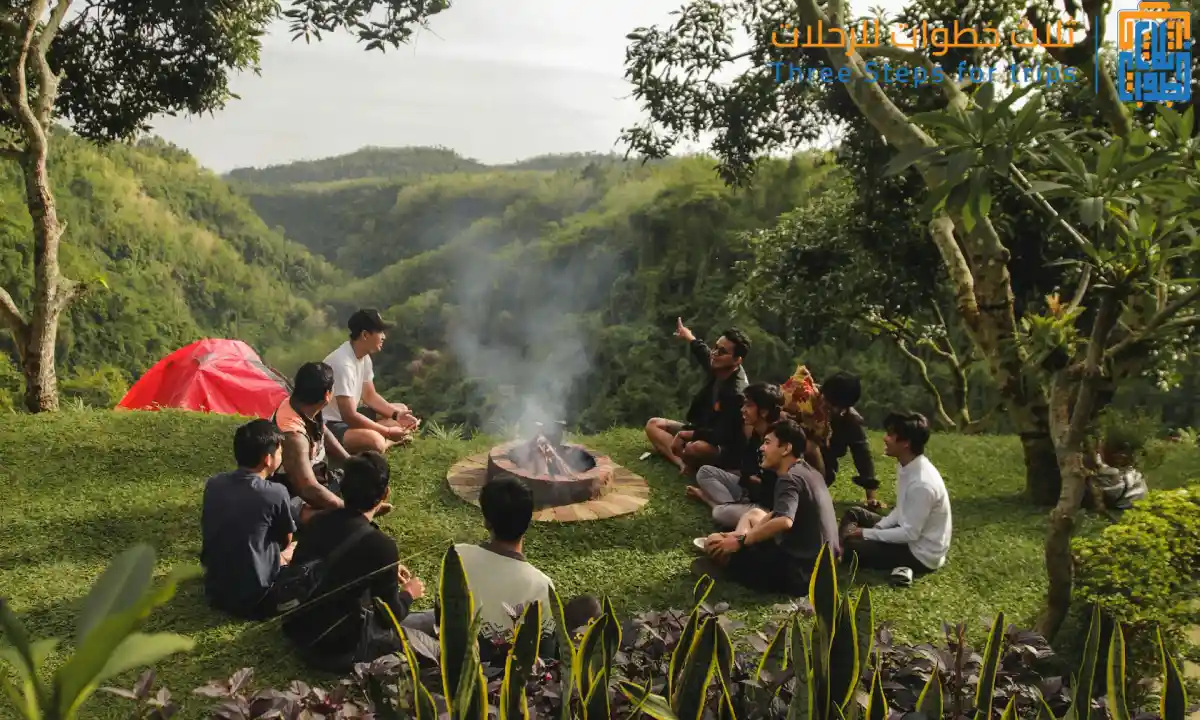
{"x": 35, "y": 338}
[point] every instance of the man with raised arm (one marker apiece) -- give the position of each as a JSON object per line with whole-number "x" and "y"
{"x": 712, "y": 434}
{"x": 380, "y": 424}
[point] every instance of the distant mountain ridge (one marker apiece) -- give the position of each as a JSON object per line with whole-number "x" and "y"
{"x": 397, "y": 163}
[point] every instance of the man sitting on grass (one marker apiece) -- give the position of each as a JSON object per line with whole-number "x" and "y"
{"x": 732, "y": 494}
{"x": 380, "y": 424}
{"x": 713, "y": 432}
{"x": 776, "y": 552}
{"x": 330, "y": 630}
{"x": 915, "y": 537}
{"x": 499, "y": 574}
{"x": 246, "y": 525}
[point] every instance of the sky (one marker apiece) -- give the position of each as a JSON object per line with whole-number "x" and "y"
{"x": 495, "y": 80}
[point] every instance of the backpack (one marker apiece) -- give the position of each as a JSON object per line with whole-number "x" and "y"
{"x": 297, "y": 583}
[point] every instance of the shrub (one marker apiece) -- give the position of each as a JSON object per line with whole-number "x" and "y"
{"x": 823, "y": 662}
{"x": 101, "y": 388}
{"x": 1144, "y": 571}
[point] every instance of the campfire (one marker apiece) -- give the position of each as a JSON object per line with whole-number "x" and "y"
{"x": 542, "y": 455}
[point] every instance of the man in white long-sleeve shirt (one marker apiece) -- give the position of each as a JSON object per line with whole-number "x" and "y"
{"x": 916, "y": 534}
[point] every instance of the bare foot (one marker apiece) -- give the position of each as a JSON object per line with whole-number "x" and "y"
{"x": 694, "y": 492}
{"x": 384, "y": 509}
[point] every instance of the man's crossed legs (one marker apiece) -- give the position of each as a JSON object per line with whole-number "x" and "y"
{"x": 670, "y": 440}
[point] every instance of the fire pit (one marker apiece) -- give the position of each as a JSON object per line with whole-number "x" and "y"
{"x": 570, "y": 483}
{"x": 557, "y": 473}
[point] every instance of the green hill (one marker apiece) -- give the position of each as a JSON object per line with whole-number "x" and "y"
{"x": 182, "y": 255}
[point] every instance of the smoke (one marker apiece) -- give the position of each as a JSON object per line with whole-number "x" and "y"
{"x": 521, "y": 331}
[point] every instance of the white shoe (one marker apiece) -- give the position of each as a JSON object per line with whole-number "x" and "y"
{"x": 902, "y": 576}
{"x": 700, "y": 543}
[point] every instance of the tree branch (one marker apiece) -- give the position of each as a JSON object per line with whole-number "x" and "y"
{"x": 1155, "y": 323}
{"x": 10, "y": 314}
{"x": 47, "y": 80}
{"x": 25, "y": 114}
{"x": 1084, "y": 281}
{"x": 955, "y": 96}
{"x": 1093, "y": 370}
{"x": 923, "y": 371}
{"x": 1021, "y": 183}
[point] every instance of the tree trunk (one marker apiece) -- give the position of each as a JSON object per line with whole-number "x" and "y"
{"x": 51, "y": 293}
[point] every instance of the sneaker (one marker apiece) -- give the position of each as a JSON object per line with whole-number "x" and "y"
{"x": 699, "y": 543}
{"x": 902, "y": 577}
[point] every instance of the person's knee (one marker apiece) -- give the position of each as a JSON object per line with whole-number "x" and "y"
{"x": 699, "y": 453}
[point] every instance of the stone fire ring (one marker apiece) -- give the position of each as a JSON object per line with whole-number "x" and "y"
{"x": 623, "y": 494}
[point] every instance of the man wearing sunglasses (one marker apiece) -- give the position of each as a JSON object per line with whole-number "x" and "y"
{"x": 713, "y": 433}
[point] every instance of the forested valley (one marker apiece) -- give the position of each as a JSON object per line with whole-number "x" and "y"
{"x": 563, "y": 271}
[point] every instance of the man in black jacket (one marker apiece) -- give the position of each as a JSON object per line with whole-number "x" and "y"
{"x": 712, "y": 434}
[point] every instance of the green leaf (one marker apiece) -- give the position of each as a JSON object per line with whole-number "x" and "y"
{"x": 1091, "y": 210}
{"x": 425, "y": 709}
{"x": 471, "y": 701}
{"x": 930, "y": 701}
{"x": 689, "y": 699}
{"x": 1087, "y": 671}
{"x": 591, "y": 656}
{"x": 33, "y": 695}
{"x": 644, "y": 701}
{"x": 142, "y": 650}
{"x": 1116, "y": 675}
{"x": 775, "y": 656}
{"x": 118, "y": 588}
{"x": 567, "y": 651}
{"x": 987, "y": 671}
{"x": 1010, "y": 710}
{"x": 76, "y": 680}
{"x": 1027, "y": 118}
{"x": 877, "y": 708}
{"x": 959, "y": 163}
{"x": 864, "y": 625}
{"x": 955, "y": 126}
{"x": 725, "y": 671}
{"x": 681, "y": 650}
{"x": 803, "y": 705}
{"x": 1044, "y": 186}
{"x": 907, "y": 158}
{"x": 958, "y": 204}
{"x": 823, "y": 589}
{"x": 457, "y": 613}
{"x": 1174, "y": 695}
{"x": 519, "y": 663}
{"x": 981, "y": 195}
{"x": 934, "y": 200}
{"x": 701, "y": 589}
{"x": 844, "y": 663}
{"x": 985, "y": 96}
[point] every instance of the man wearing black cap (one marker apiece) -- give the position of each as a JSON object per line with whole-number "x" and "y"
{"x": 382, "y": 424}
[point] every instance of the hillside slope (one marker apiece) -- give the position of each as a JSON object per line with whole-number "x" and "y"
{"x": 182, "y": 255}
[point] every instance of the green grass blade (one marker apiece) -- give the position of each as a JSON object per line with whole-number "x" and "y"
{"x": 1174, "y": 695}
{"x": 1010, "y": 711}
{"x": 987, "y": 671}
{"x": 1117, "y": 704}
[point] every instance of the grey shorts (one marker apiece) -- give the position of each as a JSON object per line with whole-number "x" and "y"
{"x": 338, "y": 429}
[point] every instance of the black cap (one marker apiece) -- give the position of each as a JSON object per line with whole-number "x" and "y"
{"x": 367, "y": 320}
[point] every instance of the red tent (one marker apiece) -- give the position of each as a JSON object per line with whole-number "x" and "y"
{"x": 214, "y": 375}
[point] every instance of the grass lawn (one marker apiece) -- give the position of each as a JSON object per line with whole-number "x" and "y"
{"x": 81, "y": 486}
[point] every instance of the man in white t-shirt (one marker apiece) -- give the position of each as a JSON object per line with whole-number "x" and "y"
{"x": 379, "y": 424}
{"x": 915, "y": 536}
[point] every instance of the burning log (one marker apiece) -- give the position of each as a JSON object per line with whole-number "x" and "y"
{"x": 540, "y": 456}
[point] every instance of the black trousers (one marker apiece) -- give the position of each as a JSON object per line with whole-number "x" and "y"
{"x": 873, "y": 553}
{"x": 767, "y": 568}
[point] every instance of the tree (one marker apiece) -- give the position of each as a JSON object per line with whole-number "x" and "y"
{"x": 108, "y": 69}
{"x": 1126, "y": 200}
